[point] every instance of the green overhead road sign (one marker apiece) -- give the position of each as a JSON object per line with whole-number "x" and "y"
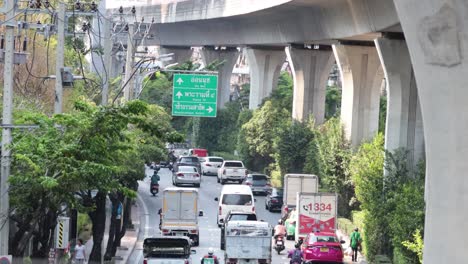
{"x": 194, "y": 95}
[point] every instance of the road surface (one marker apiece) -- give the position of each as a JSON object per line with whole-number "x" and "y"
{"x": 209, "y": 231}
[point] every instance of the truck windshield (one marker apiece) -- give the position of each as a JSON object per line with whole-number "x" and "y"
{"x": 248, "y": 232}
{"x": 237, "y": 199}
{"x": 233, "y": 164}
{"x": 243, "y": 217}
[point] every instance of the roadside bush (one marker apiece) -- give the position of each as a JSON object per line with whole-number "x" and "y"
{"x": 393, "y": 205}
{"x": 367, "y": 173}
{"x": 328, "y": 156}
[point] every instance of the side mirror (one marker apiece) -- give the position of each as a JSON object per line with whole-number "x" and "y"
{"x": 193, "y": 252}
{"x": 200, "y": 213}
{"x": 216, "y": 199}
{"x": 343, "y": 242}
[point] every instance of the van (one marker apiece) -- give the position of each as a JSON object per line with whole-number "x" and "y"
{"x": 234, "y": 198}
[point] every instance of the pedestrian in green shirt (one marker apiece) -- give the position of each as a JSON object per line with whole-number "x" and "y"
{"x": 355, "y": 241}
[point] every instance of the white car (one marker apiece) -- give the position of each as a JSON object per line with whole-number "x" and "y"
{"x": 210, "y": 165}
{"x": 232, "y": 170}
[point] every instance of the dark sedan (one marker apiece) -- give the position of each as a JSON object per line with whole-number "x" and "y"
{"x": 274, "y": 199}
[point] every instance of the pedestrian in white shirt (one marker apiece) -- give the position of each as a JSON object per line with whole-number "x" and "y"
{"x": 80, "y": 254}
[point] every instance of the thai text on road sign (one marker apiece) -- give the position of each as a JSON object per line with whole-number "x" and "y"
{"x": 194, "y": 95}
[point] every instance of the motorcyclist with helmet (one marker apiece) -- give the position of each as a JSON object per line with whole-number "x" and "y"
{"x": 280, "y": 230}
{"x": 210, "y": 258}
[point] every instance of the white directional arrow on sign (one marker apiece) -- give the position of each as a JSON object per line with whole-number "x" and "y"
{"x": 209, "y": 109}
{"x": 179, "y": 94}
{"x": 180, "y": 81}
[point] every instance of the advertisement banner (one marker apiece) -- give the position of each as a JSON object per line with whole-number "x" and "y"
{"x": 317, "y": 212}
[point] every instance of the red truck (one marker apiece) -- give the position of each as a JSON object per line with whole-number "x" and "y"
{"x": 198, "y": 152}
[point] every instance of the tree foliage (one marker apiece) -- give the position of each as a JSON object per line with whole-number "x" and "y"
{"x": 76, "y": 159}
{"x": 393, "y": 204}
{"x": 261, "y": 131}
{"x": 329, "y": 154}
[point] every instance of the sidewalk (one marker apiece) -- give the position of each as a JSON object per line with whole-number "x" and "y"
{"x": 127, "y": 242}
{"x": 345, "y": 237}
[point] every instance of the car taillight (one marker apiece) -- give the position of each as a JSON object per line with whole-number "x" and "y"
{"x": 220, "y": 210}
{"x": 224, "y": 171}
{"x": 180, "y": 175}
{"x": 248, "y": 183}
{"x": 186, "y": 261}
{"x": 274, "y": 200}
{"x": 232, "y": 261}
{"x": 145, "y": 261}
{"x": 165, "y": 231}
{"x": 194, "y": 231}
{"x": 268, "y": 184}
{"x": 197, "y": 175}
{"x": 208, "y": 165}
{"x": 253, "y": 209}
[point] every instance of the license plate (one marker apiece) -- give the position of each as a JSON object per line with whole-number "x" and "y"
{"x": 179, "y": 233}
{"x": 235, "y": 170}
{"x": 324, "y": 249}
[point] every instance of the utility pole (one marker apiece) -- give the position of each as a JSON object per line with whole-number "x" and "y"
{"x": 128, "y": 90}
{"x": 107, "y": 59}
{"x": 60, "y": 58}
{"x": 7, "y": 120}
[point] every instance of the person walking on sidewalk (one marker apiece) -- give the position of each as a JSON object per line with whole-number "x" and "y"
{"x": 80, "y": 254}
{"x": 355, "y": 241}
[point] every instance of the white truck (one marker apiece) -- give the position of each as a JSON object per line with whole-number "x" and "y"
{"x": 167, "y": 250}
{"x": 316, "y": 212}
{"x": 296, "y": 183}
{"x": 232, "y": 170}
{"x": 179, "y": 214}
{"x": 248, "y": 242}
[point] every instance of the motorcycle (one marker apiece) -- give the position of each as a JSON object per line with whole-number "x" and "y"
{"x": 170, "y": 166}
{"x": 154, "y": 189}
{"x": 279, "y": 244}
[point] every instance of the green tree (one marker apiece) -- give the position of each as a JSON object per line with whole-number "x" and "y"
{"x": 329, "y": 154}
{"x": 291, "y": 153}
{"x": 332, "y": 102}
{"x": 261, "y": 132}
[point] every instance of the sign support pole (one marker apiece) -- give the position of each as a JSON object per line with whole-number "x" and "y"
{"x": 7, "y": 119}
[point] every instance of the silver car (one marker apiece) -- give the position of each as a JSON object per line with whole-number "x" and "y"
{"x": 259, "y": 183}
{"x": 186, "y": 175}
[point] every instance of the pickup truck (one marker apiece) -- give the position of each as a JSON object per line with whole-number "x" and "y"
{"x": 232, "y": 170}
{"x": 235, "y": 216}
{"x": 167, "y": 250}
{"x": 248, "y": 242}
{"x": 179, "y": 215}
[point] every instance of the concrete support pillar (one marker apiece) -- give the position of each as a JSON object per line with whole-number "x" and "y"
{"x": 310, "y": 69}
{"x": 404, "y": 127}
{"x": 229, "y": 57}
{"x": 437, "y": 36}
{"x": 181, "y": 54}
{"x": 265, "y": 66}
{"x": 362, "y": 77}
